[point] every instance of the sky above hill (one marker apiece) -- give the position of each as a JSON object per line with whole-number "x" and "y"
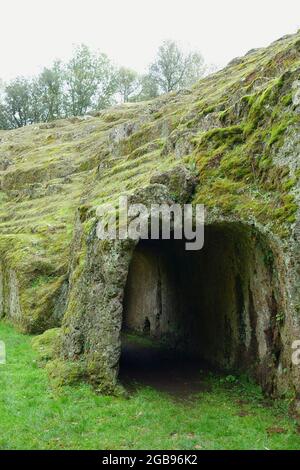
{"x": 34, "y": 32}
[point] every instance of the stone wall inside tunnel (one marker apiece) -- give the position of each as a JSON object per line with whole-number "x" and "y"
{"x": 222, "y": 304}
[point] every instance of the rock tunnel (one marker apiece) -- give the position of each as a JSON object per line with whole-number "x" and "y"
{"x": 217, "y": 305}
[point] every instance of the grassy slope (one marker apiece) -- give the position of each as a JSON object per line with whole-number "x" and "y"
{"x": 33, "y": 416}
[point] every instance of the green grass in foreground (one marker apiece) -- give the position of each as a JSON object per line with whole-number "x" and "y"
{"x": 32, "y": 416}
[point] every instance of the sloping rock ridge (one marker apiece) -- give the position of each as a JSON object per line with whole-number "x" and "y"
{"x": 231, "y": 143}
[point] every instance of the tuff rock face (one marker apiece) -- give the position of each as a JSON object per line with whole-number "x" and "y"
{"x": 231, "y": 143}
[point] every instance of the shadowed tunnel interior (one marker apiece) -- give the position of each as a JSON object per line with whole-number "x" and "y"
{"x": 207, "y": 306}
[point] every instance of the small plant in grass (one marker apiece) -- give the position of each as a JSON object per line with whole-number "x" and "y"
{"x": 229, "y": 379}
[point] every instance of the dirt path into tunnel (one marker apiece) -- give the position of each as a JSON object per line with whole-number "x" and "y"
{"x": 162, "y": 370}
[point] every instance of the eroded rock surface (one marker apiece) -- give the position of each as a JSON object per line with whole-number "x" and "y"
{"x": 232, "y": 144}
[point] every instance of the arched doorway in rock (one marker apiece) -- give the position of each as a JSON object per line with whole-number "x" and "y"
{"x": 216, "y": 306}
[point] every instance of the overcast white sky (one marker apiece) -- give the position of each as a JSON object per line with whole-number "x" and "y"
{"x": 35, "y": 32}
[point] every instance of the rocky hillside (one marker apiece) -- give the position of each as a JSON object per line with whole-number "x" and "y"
{"x": 237, "y": 131}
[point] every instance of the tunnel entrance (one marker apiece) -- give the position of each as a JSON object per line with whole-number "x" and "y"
{"x": 214, "y": 306}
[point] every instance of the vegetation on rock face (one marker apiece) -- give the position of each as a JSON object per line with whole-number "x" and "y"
{"x": 236, "y": 130}
{"x": 46, "y": 345}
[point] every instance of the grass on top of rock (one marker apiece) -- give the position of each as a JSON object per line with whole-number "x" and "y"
{"x": 231, "y": 414}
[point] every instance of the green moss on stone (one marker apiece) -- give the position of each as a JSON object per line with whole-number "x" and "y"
{"x": 47, "y": 344}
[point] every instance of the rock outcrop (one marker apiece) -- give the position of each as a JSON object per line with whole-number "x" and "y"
{"x": 231, "y": 143}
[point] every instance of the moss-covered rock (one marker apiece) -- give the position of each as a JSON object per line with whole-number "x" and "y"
{"x": 47, "y": 345}
{"x": 230, "y": 143}
{"x": 63, "y": 373}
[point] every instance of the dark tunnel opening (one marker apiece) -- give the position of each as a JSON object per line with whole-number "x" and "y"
{"x": 186, "y": 310}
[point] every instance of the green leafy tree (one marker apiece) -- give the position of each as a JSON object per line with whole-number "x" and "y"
{"x": 149, "y": 88}
{"x": 173, "y": 69}
{"x": 106, "y": 77}
{"x": 81, "y": 82}
{"x": 18, "y": 103}
{"x": 49, "y": 89}
{"x": 90, "y": 82}
{"x": 4, "y": 119}
{"x": 5, "y": 122}
{"x": 127, "y": 84}
{"x": 195, "y": 68}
